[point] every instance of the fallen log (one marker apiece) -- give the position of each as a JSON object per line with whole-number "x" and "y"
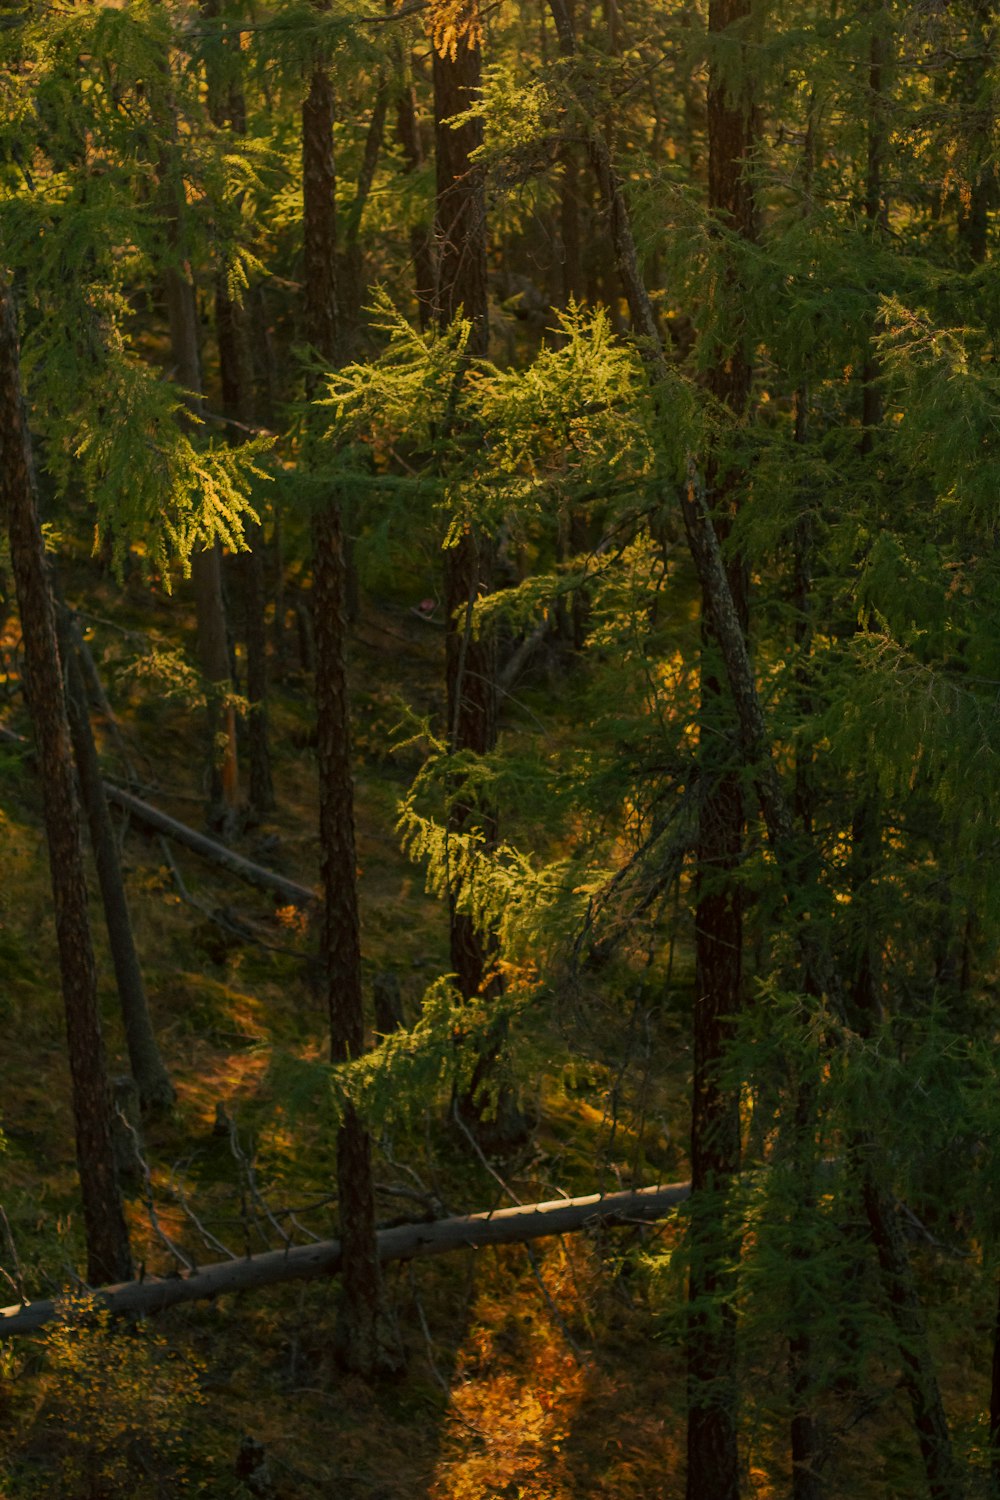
{"x": 245, "y": 869}
{"x": 507, "y": 1226}
{"x": 159, "y": 822}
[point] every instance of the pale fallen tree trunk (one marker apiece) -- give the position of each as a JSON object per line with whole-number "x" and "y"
{"x": 159, "y": 822}
{"x": 218, "y": 854}
{"x": 507, "y": 1226}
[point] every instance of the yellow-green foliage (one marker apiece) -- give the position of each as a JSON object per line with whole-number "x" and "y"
{"x": 111, "y": 1409}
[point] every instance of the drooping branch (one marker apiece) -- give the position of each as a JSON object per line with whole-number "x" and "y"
{"x": 508, "y": 1226}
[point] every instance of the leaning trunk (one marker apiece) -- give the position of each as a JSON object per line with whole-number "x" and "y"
{"x": 108, "y": 1256}
{"x": 156, "y": 1092}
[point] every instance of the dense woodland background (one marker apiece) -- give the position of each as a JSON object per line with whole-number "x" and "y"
{"x": 519, "y": 483}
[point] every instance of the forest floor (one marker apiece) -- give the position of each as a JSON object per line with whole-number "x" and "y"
{"x": 546, "y": 1374}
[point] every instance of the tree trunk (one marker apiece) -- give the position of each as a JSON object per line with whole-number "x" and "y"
{"x": 995, "y": 1405}
{"x": 713, "y": 1395}
{"x": 504, "y": 1226}
{"x": 977, "y": 104}
{"x": 362, "y": 1347}
{"x": 156, "y": 1092}
{"x": 790, "y": 854}
{"x": 236, "y": 371}
{"x": 421, "y": 245}
{"x": 206, "y": 573}
{"x": 206, "y": 568}
{"x": 470, "y": 661}
{"x": 108, "y": 1256}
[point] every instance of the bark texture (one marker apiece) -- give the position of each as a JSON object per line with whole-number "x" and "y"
{"x": 362, "y": 1346}
{"x": 421, "y": 244}
{"x": 108, "y": 1256}
{"x": 712, "y": 1438}
{"x": 460, "y": 240}
{"x": 206, "y": 565}
{"x": 505, "y": 1226}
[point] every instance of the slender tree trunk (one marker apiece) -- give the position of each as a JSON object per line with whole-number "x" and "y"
{"x": 421, "y": 243}
{"x": 353, "y": 290}
{"x": 237, "y": 396}
{"x": 206, "y": 565}
{"x": 108, "y": 1256}
{"x": 156, "y": 1092}
{"x": 236, "y": 371}
{"x": 713, "y": 1395}
{"x": 995, "y": 1405}
{"x": 976, "y": 94}
{"x": 470, "y": 660}
{"x": 341, "y": 940}
{"x": 791, "y": 857}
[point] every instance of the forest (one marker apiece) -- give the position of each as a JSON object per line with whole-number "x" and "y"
{"x": 499, "y": 749}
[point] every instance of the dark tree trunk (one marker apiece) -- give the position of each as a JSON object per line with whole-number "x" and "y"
{"x": 995, "y": 1405}
{"x": 470, "y": 660}
{"x": 341, "y": 940}
{"x": 470, "y": 663}
{"x": 421, "y": 245}
{"x": 756, "y": 747}
{"x": 108, "y": 1256}
{"x": 712, "y": 1444}
{"x": 976, "y": 100}
{"x": 156, "y": 1092}
{"x": 236, "y": 371}
{"x": 206, "y": 565}
{"x": 919, "y": 1378}
{"x": 806, "y": 1431}
{"x": 353, "y": 290}
{"x": 460, "y": 205}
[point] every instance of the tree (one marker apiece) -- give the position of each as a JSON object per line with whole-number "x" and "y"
{"x": 364, "y": 1347}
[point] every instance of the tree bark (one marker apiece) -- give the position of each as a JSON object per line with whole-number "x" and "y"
{"x": 363, "y": 1348}
{"x": 206, "y": 565}
{"x": 108, "y": 1255}
{"x": 470, "y": 660}
{"x": 505, "y": 1226}
{"x": 218, "y": 854}
{"x": 995, "y": 1404}
{"x": 791, "y": 853}
{"x": 421, "y": 244}
{"x": 156, "y": 1092}
{"x": 713, "y": 1390}
{"x": 236, "y": 372}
